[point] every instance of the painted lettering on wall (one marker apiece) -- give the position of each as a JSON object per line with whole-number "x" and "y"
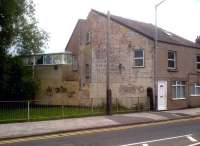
{"x": 54, "y": 90}
{"x": 131, "y": 89}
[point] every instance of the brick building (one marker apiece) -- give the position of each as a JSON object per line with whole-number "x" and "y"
{"x": 132, "y": 62}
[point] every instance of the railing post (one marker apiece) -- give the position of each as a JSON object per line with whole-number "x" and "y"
{"x": 138, "y": 103}
{"x": 92, "y": 104}
{"x": 117, "y": 104}
{"x": 28, "y": 114}
{"x": 63, "y": 114}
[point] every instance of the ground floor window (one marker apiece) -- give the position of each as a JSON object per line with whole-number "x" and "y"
{"x": 195, "y": 91}
{"x": 178, "y": 89}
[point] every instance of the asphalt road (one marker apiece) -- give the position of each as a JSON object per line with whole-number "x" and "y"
{"x": 184, "y": 133}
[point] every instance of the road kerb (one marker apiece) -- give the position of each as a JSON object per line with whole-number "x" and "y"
{"x": 57, "y": 134}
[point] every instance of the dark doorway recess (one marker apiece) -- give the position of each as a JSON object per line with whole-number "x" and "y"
{"x": 150, "y": 96}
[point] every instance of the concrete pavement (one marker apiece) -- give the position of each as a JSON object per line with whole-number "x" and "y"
{"x": 14, "y": 130}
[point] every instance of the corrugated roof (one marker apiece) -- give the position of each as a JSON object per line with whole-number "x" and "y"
{"x": 148, "y": 30}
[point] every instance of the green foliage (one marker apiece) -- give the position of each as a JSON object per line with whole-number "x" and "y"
{"x": 20, "y": 34}
{"x": 18, "y": 82}
{"x": 17, "y": 111}
{"x": 19, "y": 28}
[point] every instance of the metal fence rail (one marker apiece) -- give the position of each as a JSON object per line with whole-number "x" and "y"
{"x": 43, "y": 110}
{"x": 130, "y": 104}
{"x": 10, "y": 110}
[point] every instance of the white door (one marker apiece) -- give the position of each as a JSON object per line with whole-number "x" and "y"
{"x": 162, "y": 95}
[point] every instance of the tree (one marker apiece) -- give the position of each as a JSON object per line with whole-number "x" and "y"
{"x": 19, "y": 28}
{"x": 197, "y": 40}
{"x": 19, "y": 33}
{"x": 19, "y": 84}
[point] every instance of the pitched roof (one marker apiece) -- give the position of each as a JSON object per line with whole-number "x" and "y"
{"x": 148, "y": 30}
{"x": 79, "y": 22}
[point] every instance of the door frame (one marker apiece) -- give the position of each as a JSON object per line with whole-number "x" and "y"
{"x": 164, "y": 106}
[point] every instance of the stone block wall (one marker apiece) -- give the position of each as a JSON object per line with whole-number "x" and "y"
{"x": 125, "y": 81}
{"x": 58, "y": 84}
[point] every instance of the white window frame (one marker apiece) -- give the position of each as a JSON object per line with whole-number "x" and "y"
{"x": 174, "y": 60}
{"x": 195, "y": 90}
{"x": 176, "y": 85}
{"x": 197, "y": 62}
{"x": 62, "y": 59}
{"x": 138, "y": 58}
{"x": 44, "y": 62}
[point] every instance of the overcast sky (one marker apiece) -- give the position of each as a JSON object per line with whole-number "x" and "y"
{"x": 59, "y": 17}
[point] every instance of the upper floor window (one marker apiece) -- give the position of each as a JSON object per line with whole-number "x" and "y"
{"x": 171, "y": 59}
{"x": 195, "y": 91}
{"x": 88, "y": 37}
{"x": 29, "y": 60}
{"x": 57, "y": 59}
{"x": 39, "y": 59}
{"x": 178, "y": 89}
{"x": 48, "y": 59}
{"x": 198, "y": 62}
{"x": 138, "y": 58}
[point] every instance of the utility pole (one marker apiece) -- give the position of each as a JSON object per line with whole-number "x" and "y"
{"x": 108, "y": 89}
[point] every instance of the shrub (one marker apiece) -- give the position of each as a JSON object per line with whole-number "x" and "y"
{"x": 17, "y": 83}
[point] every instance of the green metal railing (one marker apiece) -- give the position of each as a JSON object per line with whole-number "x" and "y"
{"x": 12, "y": 111}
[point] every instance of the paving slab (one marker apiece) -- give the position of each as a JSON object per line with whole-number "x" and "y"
{"x": 189, "y": 112}
{"x": 124, "y": 119}
{"x": 149, "y": 115}
{"x": 40, "y": 127}
{"x": 168, "y": 115}
{"x": 13, "y": 130}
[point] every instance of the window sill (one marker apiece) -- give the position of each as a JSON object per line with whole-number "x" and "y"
{"x": 178, "y": 98}
{"x": 194, "y": 95}
{"x": 172, "y": 70}
{"x": 137, "y": 66}
{"x": 48, "y": 64}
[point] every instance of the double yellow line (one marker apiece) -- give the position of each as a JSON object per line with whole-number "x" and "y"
{"x": 66, "y": 134}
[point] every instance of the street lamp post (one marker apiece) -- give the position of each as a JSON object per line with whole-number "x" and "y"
{"x": 155, "y": 53}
